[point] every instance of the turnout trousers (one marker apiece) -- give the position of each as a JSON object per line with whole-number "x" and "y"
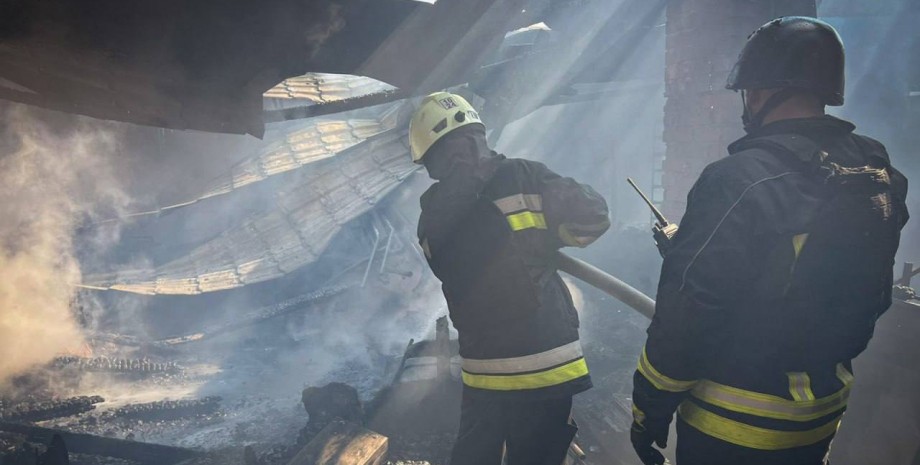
{"x": 697, "y": 448}
{"x": 533, "y": 432}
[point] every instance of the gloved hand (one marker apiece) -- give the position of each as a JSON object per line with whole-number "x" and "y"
{"x": 644, "y": 435}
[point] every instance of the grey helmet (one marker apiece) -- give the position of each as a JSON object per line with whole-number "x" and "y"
{"x": 793, "y": 51}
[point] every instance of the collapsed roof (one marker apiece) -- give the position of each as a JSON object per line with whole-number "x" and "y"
{"x": 291, "y": 232}
{"x": 205, "y": 64}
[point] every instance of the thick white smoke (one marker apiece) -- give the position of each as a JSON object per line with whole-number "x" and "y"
{"x": 51, "y": 180}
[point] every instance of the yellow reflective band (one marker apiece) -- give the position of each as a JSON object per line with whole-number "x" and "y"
{"x": 659, "y": 380}
{"x": 769, "y": 406}
{"x": 752, "y": 436}
{"x": 559, "y": 375}
{"x": 526, "y": 220}
{"x": 638, "y": 415}
{"x": 798, "y": 242}
{"x": 800, "y": 386}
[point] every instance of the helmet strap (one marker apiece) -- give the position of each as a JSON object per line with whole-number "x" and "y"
{"x": 754, "y": 121}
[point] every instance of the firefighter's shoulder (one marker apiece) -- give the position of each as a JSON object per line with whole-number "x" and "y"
{"x": 744, "y": 168}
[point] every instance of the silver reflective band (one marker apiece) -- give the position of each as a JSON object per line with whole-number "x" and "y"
{"x": 769, "y": 406}
{"x": 525, "y": 364}
{"x": 519, "y": 202}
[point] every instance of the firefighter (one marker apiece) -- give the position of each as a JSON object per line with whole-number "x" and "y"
{"x": 490, "y": 228}
{"x": 780, "y": 268}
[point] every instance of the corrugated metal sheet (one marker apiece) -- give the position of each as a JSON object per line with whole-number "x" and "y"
{"x": 318, "y": 140}
{"x": 293, "y": 232}
{"x": 313, "y": 141}
{"x": 325, "y": 88}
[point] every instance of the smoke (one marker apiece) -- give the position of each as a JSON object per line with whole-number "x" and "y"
{"x": 320, "y": 31}
{"x": 51, "y": 180}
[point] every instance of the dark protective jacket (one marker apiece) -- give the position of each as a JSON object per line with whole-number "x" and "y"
{"x": 494, "y": 254}
{"x": 782, "y": 264}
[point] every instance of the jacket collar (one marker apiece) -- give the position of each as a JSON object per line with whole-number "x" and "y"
{"x": 819, "y": 127}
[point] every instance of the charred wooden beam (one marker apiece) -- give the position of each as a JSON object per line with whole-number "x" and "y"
{"x": 46, "y": 410}
{"x": 114, "y": 365}
{"x": 77, "y": 443}
{"x": 168, "y": 409}
{"x": 343, "y": 443}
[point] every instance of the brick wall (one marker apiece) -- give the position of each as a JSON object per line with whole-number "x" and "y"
{"x": 701, "y": 118}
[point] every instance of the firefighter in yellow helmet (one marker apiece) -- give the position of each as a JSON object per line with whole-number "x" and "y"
{"x": 490, "y": 228}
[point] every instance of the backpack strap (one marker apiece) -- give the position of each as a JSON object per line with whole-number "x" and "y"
{"x": 873, "y": 149}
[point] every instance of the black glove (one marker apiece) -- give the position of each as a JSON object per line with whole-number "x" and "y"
{"x": 642, "y": 437}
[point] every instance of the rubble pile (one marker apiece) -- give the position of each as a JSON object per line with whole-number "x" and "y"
{"x": 334, "y": 401}
{"x": 904, "y": 293}
{"x": 14, "y": 451}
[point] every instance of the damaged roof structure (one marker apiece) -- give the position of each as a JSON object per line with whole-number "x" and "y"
{"x": 329, "y": 85}
{"x": 205, "y": 65}
{"x": 363, "y": 158}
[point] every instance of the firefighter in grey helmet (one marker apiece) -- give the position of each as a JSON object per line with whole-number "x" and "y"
{"x": 780, "y": 268}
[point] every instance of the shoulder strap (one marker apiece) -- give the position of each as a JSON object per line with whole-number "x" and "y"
{"x": 798, "y": 146}
{"x": 799, "y": 151}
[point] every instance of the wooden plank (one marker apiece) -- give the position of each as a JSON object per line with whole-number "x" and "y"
{"x": 343, "y": 443}
{"x": 96, "y": 445}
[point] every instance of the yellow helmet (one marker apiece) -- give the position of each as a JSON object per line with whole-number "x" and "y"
{"x": 439, "y": 114}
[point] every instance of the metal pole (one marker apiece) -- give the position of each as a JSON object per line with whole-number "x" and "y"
{"x": 386, "y": 248}
{"x": 370, "y": 260}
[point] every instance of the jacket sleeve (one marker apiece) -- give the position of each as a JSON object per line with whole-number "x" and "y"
{"x": 576, "y": 215}
{"x": 706, "y": 269}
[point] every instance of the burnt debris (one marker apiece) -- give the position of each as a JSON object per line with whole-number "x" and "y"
{"x": 165, "y": 410}
{"x": 114, "y": 365}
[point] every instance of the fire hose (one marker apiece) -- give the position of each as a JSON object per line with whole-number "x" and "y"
{"x": 607, "y": 283}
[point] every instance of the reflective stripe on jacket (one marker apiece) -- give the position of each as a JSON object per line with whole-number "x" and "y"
{"x": 517, "y": 325}
{"x": 752, "y": 419}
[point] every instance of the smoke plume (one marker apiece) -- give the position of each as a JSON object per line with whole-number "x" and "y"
{"x": 51, "y": 180}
